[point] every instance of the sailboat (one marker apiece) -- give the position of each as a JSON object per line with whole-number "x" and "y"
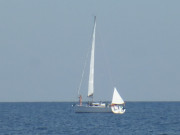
{"x": 91, "y": 106}
{"x": 117, "y": 105}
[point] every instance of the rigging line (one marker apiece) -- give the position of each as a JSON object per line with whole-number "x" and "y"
{"x": 82, "y": 75}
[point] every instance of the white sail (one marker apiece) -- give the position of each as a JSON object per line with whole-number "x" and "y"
{"x": 117, "y": 99}
{"x": 91, "y": 73}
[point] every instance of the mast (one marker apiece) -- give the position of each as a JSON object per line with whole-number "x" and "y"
{"x": 91, "y": 73}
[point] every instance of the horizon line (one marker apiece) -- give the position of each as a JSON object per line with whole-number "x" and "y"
{"x": 83, "y": 101}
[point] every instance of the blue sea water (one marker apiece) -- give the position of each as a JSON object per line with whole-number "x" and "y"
{"x": 56, "y": 118}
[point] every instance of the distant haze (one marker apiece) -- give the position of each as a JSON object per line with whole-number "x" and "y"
{"x": 43, "y": 47}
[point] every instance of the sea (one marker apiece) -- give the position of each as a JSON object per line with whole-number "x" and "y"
{"x": 59, "y": 118}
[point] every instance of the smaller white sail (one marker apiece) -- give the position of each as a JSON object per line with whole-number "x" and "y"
{"x": 117, "y": 99}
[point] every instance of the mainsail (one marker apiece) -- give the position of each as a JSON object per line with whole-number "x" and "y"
{"x": 117, "y": 99}
{"x": 91, "y": 73}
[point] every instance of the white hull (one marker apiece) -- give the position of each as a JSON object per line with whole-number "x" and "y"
{"x": 92, "y": 109}
{"x": 118, "y": 109}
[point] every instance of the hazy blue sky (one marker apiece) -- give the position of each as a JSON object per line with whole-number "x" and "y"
{"x": 43, "y": 45}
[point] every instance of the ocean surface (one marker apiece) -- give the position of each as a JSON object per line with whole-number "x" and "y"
{"x": 56, "y": 118}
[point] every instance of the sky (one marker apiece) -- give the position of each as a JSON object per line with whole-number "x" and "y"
{"x": 44, "y": 44}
